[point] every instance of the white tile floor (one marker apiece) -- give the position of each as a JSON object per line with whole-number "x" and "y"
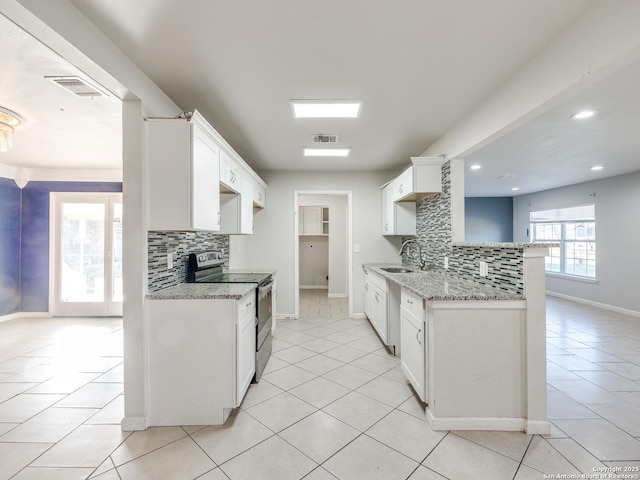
{"x": 332, "y": 404}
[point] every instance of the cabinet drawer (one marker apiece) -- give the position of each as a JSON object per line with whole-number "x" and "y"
{"x": 246, "y": 305}
{"x": 412, "y": 303}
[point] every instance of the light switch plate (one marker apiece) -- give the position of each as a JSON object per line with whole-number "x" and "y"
{"x": 356, "y": 248}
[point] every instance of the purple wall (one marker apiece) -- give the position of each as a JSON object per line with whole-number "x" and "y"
{"x": 25, "y": 239}
{"x": 9, "y": 246}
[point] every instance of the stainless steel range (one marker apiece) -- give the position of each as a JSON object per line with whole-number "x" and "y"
{"x": 206, "y": 267}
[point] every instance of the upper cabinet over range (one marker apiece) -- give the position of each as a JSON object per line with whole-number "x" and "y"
{"x": 191, "y": 168}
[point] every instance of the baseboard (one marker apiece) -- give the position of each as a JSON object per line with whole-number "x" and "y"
{"x": 132, "y": 424}
{"x": 539, "y": 427}
{"x": 337, "y": 295}
{"x": 314, "y": 287}
{"x": 472, "y": 423}
{"x": 13, "y": 316}
{"x": 591, "y": 303}
{"x": 358, "y": 315}
{"x": 284, "y": 316}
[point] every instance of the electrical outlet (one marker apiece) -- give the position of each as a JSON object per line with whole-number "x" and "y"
{"x": 356, "y": 248}
{"x": 446, "y": 263}
{"x": 484, "y": 270}
{"x": 169, "y": 261}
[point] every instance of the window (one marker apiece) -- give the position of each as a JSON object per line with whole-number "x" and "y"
{"x": 574, "y": 229}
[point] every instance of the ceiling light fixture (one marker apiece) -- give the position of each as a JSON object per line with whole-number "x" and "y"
{"x": 515, "y": 189}
{"x": 475, "y": 167}
{"x": 326, "y": 152}
{"x": 596, "y": 167}
{"x": 326, "y": 108}
{"x": 8, "y": 121}
{"x": 584, "y": 114}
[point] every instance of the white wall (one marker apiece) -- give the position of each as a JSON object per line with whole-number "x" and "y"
{"x": 338, "y": 238}
{"x": 314, "y": 261}
{"x": 617, "y": 200}
{"x": 271, "y": 245}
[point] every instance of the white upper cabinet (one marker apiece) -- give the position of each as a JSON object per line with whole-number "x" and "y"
{"x": 183, "y": 170}
{"x": 422, "y": 179}
{"x": 397, "y": 218}
{"x": 230, "y": 174}
{"x": 259, "y": 195}
{"x": 237, "y": 208}
{"x": 310, "y": 220}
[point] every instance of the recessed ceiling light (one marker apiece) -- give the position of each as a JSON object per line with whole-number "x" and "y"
{"x": 326, "y": 108}
{"x": 583, "y": 114}
{"x": 597, "y": 167}
{"x": 515, "y": 189}
{"x": 475, "y": 167}
{"x": 326, "y": 152}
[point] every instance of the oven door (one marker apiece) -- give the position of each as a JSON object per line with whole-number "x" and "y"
{"x": 264, "y": 312}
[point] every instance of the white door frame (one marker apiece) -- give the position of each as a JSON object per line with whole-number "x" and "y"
{"x": 296, "y": 246}
{"x": 107, "y": 307}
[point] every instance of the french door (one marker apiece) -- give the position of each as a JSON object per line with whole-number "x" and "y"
{"x": 86, "y": 252}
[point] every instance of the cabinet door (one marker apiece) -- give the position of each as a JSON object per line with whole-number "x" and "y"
{"x": 230, "y": 174}
{"x": 403, "y": 185}
{"x": 367, "y": 297}
{"x": 246, "y": 354}
{"x": 246, "y": 205}
{"x": 413, "y": 351}
{"x": 312, "y": 220}
{"x": 380, "y": 307}
{"x": 388, "y": 210}
{"x": 205, "y": 181}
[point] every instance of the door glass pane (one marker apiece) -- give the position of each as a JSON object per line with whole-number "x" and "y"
{"x": 82, "y": 276}
{"x": 116, "y": 256}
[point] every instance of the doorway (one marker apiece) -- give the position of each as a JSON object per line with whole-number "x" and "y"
{"x": 322, "y": 240}
{"x": 86, "y": 254}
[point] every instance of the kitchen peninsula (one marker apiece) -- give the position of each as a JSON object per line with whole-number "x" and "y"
{"x": 472, "y": 352}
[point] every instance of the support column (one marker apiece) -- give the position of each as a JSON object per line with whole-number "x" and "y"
{"x": 134, "y": 267}
{"x": 535, "y": 292}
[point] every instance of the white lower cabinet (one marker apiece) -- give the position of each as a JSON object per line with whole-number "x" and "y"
{"x": 376, "y": 306}
{"x": 201, "y": 358}
{"x": 413, "y": 359}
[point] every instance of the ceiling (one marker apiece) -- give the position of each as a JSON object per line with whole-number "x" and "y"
{"x": 60, "y": 130}
{"x": 418, "y": 66}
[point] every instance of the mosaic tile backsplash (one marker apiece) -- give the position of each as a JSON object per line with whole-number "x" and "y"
{"x": 180, "y": 244}
{"x": 433, "y": 232}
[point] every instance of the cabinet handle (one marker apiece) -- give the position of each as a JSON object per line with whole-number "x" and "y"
{"x": 400, "y": 189}
{"x": 418, "y": 336}
{"x": 366, "y": 287}
{"x": 365, "y": 271}
{"x": 219, "y": 218}
{"x": 249, "y": 304}
{"x": 377, "y": 300}
{"x": 410, "y": 302}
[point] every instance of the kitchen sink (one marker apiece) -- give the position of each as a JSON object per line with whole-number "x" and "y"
{"x": 397, "y": 269}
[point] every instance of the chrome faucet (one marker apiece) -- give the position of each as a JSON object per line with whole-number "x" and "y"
{"x": 423, "y": 263}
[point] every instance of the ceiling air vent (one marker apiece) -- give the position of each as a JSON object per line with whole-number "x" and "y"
{"x": 78, "y": 86}
{"x": 323, "y": 138}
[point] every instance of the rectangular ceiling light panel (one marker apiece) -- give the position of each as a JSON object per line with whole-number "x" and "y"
{"x": 325, "y": 108}
{"x": 326, "y": 152}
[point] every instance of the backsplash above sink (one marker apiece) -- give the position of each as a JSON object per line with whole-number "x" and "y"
{"x": 434, "y": 233}
{"x": 180, "y": 244}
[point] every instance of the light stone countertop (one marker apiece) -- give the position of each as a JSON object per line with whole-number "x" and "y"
{"x": 505, "y": 245}
{"x": 437, "y": 286}
{"x": 204, "y": 291}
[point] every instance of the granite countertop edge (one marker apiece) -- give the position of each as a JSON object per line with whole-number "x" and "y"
{"x": 203, "y": 291}
{"x": 433, "y": 286}
{"x": 505, "y": 245}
